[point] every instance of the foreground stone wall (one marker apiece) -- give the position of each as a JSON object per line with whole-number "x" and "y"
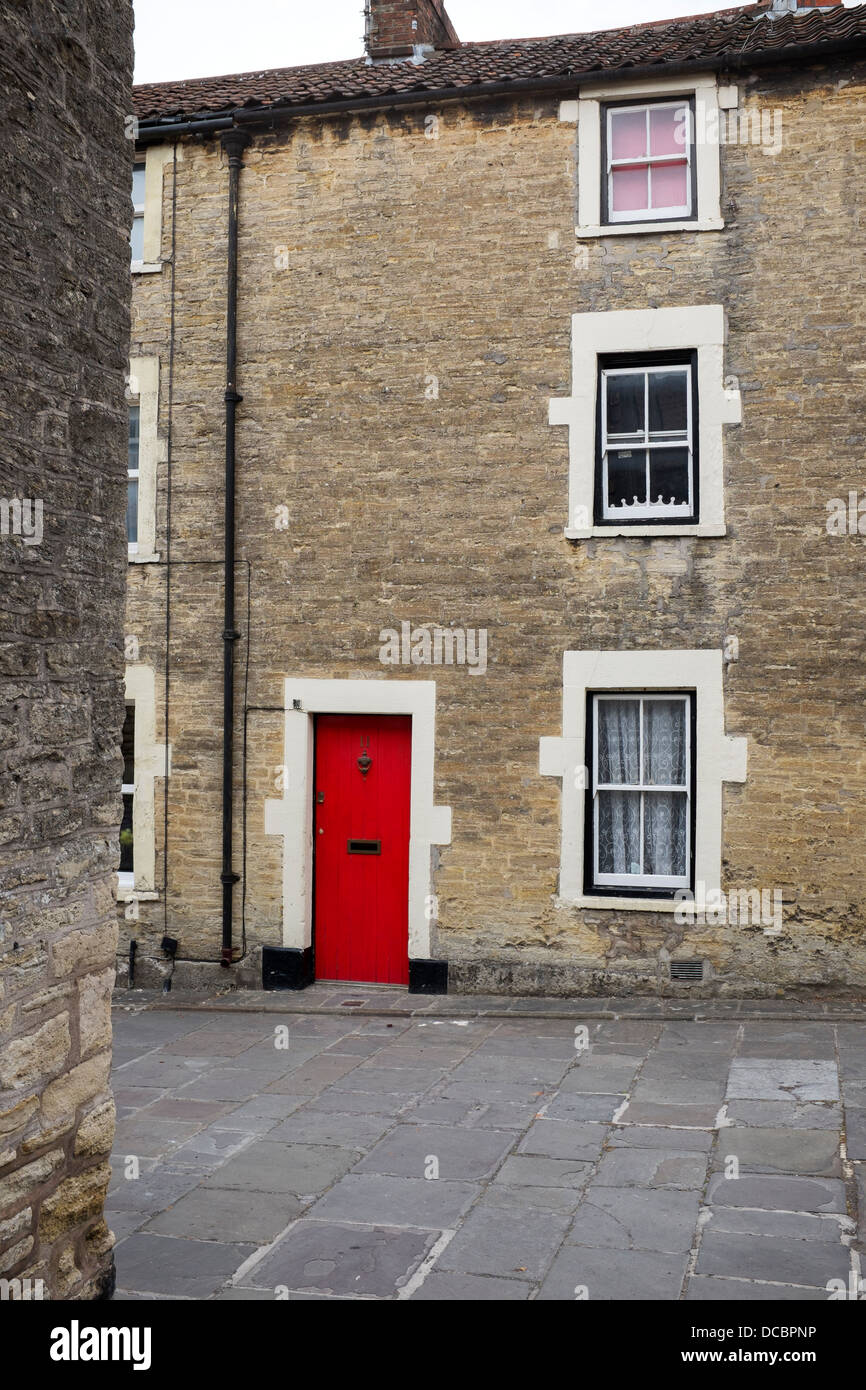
{"x": 66, "y": 72}
{"x": 374, "y": 259}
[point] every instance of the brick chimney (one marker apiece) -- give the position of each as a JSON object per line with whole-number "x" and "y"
{"x": 404, "y": 28}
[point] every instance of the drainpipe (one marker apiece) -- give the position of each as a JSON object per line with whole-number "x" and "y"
{"x": 233, "y": 142}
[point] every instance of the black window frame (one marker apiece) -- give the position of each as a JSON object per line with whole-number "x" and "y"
{"x": 674, "y": 358}
{"x": 590, "y": 888}
{"x": 642, "y": 217}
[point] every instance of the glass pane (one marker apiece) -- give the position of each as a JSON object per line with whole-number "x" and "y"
{"x": 136, "y": 239}
{"x": 664, "y": 833}
{"x": 127, "y": 744}
{"x": 618, "y": 733}
{"x": 625, "y": 403}
{"x": 134, "y": 422}
{"x": 126, "y": 836}
{"x": 628, "y": 134}
{"x": 626, "y": 477}
{"x": 664, "y": 743}
{"x": 132, "y": 511}
{"x": 668, "y": 402}
{"x": 668, "y": 129}
{"x": 138, "y": 185}
{"x": 670, "y": 185}
{"x": 630, "y": 193}
{"x": 619, "y": 832}
{"x": 669, "y": 477}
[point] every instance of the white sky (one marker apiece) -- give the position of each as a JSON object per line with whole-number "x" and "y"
{"x": 204, "y": 38}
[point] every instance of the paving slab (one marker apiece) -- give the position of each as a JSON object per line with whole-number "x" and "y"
{"x": 189, "y": 1268}
{"x": 344, "y": 1259}
{"x": 652, "y": 1168}
{"x": 680, "y": 1116}
{"x": 459, "y": 1154}
{"x": 322, "y": 1127}
{"x": 522, "y": 1170}
{"x": 229, "y": 1216}
{"x": 626, "y": 1218}
{"x": 396, "y": 1201}
{"x": 780, "y": 1151}
{"x": 598, "y": 1106}
{"x": 768, "y": 1078}
{"x": 855, "y": 1133}
{"x": 778, "y": 1258}
{"x": 303, "y": 1169}
{"x": 660, "y": 1137}
{"x": 633, "y": 1275}
{"x": 496, "y": 1240}
{"x": 774, "y": 1193}
{"x": 563, "y": 1139}
{"x": 703, "y": 1290}
{"x": 785, "y": 1114}
{"x": 800, "y": 1225}
{"x": 469, "y": 1288}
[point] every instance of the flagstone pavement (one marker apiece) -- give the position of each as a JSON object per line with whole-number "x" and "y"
{"x": 350, "y": 1143}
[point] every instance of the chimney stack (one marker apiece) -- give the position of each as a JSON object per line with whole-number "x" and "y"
{"x": 404, "y": 28}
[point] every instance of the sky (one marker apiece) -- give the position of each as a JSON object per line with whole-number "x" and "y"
{"x": 205, "y": 38}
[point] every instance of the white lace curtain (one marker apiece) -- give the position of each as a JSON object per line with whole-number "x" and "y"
{"x": 642, "y": 746}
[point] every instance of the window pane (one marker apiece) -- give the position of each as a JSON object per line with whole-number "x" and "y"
{"x": 132, "y": 511}
{"x": 664, "y": 742}
{"x": 630, "y": 193}
{"x": 126, "y": 836}
{"x": 127, "y": 744}
{"x": 628, "y": 134}
{"x": 669, "y": 476}
{"x": 669, "y": 185}
{"x": 619, "y": 832}
{"x": 668, "y": 402}
{"x": 669, "y": 129}
{"x": 626, "y": 477}
{"x": 138, "y": 185}
{"x": 625, "y": 403}
{"x": 664, "y": 833}
{"x": 136, "y": 239}
{"x": 134, "y": 423}
{"x": 618, "y": 726}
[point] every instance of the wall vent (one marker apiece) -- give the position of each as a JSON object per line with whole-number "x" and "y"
{"x": 687, "y": 970}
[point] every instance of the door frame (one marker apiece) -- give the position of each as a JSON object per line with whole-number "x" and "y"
{"x": 291, "y": 816}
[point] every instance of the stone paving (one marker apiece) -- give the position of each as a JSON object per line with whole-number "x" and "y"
{"x": 428, "y": 1155}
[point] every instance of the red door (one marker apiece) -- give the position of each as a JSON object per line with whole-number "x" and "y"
{"x": 361, "y": 829}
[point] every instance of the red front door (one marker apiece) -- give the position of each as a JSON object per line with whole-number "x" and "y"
{"x": 361, "y": 830}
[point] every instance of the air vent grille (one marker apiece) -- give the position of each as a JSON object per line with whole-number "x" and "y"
{"x": 687, "y": 969}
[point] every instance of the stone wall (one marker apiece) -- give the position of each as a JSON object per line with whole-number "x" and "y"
{"x": 65, "y": 70}
{"x": 378, "y": 253}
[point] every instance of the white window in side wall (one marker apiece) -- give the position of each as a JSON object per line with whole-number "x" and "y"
{"x": 136, "y": 236}
{"x": 643, "y": 759}
{"x": 126, "y": 871}
{"x": 648, "y": 162}
{"x": 646, "y": 416}
{"x": 144, "y": 453}
{"x": 132, "y": 474}
{"x": 647, "y": 159}
{"x": 641, "y": 792}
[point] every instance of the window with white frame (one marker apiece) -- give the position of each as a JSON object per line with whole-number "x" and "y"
{"x": 136, "y": 236}
{"x": 647, "y": 446}
{"x": 641, "y": 792}
{"x": 648, "y": 168}
{"x": 132, "y": 475}
{"x": 126, "y": 874}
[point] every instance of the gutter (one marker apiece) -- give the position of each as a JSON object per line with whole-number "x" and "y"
{"x": 159, "y": 130}
{"x": 234, "y": 142}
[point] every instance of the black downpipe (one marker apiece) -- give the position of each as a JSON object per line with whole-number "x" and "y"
{"x": 233, "y": 142}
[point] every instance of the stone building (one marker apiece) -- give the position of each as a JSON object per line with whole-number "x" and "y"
{"x": 496, "y": 569}
{"x": 66, "y": 75}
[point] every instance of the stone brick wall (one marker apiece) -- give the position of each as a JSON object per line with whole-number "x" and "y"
{"x": 65, "y": 70}
{"x": 373, "y": 258}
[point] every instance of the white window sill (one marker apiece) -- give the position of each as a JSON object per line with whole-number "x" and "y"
{"x": 708, "y": 528}
{"x": 711, "y": 224}
{"x": 135, "y": 895}
{"x": 145, "y": 267}
{"x": 615, "y": 904}
{"x": 134, "y": 557}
